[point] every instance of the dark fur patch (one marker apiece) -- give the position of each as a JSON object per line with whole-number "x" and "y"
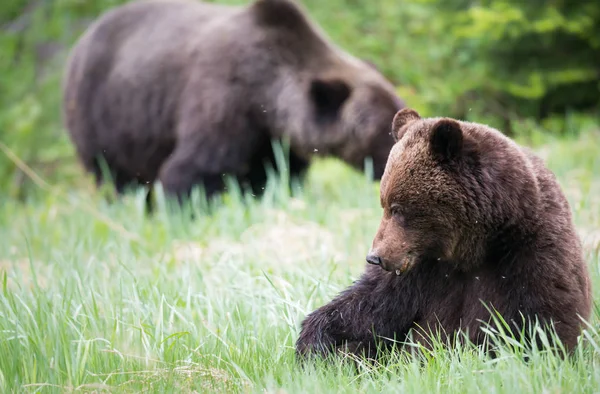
{"x": 282, "y": 14}
{"x": 446, "y": 140}
{"x": 328, "y": 97}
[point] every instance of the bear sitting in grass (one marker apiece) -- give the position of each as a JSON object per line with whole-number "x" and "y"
{"x": 473, "y": 226}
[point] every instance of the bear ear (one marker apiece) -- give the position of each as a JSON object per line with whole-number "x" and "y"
{"x": 446, "y": 139}
{"x": 328, "y": 96}
{"x": 402, "y": 118}
{"x": 282, "y": 14}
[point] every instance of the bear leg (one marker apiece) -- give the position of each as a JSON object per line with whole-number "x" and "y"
{"x": 180, "y": 174}
{"x": 120, "y": 179}
{"x": 257, "y": 176}
{"x": 298, "y": 170}
{"x": 345, "y": 324}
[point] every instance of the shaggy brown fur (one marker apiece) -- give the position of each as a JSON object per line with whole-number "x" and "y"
{"x": 470, "y": 220}
{"x": 185, "y": 92}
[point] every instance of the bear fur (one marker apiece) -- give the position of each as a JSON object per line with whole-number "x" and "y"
{"x": 471, "y": 221}
{"x": 185, "y": 92}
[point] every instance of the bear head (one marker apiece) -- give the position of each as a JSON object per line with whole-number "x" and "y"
{"x": 356, "y": 112}
{"x": 451, "y": 190}
{"x": 329, "y": 102}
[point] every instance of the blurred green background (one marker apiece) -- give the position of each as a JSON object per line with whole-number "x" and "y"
{"x": 528, "y": 68}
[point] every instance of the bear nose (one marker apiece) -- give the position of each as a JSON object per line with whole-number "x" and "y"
{"x": 373, "y": 259}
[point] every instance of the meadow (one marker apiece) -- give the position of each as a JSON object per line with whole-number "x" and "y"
{"x": 96, "y": 296}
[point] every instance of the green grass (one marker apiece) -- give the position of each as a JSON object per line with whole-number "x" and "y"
{"x": 97, "y": 296}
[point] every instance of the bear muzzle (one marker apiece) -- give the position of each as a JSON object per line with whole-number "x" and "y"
{"x": 406, "y": 262}
{"x": 373, "y": 259}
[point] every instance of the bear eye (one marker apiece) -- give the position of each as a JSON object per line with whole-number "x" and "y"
{"x": 396, "y": 212}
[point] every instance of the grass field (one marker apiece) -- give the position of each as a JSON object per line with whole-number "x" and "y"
{"x": 98, "y": 297}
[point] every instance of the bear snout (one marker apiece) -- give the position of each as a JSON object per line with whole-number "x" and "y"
{"x": 398, "y": 265}
{"x": 373, "y": 259}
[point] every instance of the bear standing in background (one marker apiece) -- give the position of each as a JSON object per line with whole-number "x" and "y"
{"x": 185, "y": 92}
{"x": 470, "y": 220}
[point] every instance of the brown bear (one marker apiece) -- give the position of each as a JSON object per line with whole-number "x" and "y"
{"x": 473, "y": 224}
{"x": 186, "y": 92}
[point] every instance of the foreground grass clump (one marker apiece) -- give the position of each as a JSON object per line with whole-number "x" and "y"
{"x": 98, "y": 297}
